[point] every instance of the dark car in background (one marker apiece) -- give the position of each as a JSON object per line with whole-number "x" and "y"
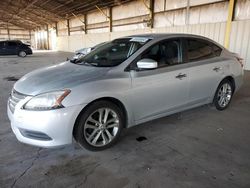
{"x": 14, "y": 47}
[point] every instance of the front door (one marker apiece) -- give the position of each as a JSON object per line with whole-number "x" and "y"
{"x": 162, "y": 90}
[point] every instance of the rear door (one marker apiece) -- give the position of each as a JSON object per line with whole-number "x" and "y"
{"x": 3, "y": 49}
{"x": 162, "y": 90}
{"x": 206, "y": 69}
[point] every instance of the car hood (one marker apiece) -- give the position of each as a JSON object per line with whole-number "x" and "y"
{"x": 56, "y": 77}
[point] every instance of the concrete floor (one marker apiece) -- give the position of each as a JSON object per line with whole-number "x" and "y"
{"x": 197, "y": 148}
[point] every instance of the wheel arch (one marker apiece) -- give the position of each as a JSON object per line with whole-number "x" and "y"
{"x": 21, "y": 50}
{"x": 231, "y": 79}
{"x": 110, "y": 99}
{"x": 226, "y": 79}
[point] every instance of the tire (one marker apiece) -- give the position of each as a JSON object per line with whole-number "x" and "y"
{"x": 223, "y": 95}
{"x": 22, "y": 54}
{"x": 89, "y": 126}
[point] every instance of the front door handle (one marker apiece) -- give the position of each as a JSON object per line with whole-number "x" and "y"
{"x": 180, "y": 76}
{"x": 216, "y": 69}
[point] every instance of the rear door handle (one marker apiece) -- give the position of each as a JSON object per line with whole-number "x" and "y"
{"x": 216, "y": 69}
{"x": 180, "y": 76}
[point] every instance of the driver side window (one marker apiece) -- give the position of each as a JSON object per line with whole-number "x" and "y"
{"x": 165, "y": 53}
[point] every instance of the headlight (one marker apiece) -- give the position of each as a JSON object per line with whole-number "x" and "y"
{"x": 47, "y": 101}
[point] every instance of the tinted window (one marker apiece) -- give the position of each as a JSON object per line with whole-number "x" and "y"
{"x": 12, "y": 44}
{"x": 199, "y": 50}
{"x": 217, "y": 50}
{"x": 165, "y": 53}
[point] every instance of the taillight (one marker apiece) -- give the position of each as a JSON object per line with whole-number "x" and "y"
{"x": 240, "y": 60}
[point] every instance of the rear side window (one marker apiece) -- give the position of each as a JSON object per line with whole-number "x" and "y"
{"x": 199, "y": 50}
{"x": 217, "y": 50}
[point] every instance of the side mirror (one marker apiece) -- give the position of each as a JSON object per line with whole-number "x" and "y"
{"x": 147, "y": 64}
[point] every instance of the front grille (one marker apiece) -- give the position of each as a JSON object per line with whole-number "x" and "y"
{"x": 14, "y": 98}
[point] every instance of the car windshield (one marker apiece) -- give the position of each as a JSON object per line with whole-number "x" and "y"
{"x": 113, "y": 53}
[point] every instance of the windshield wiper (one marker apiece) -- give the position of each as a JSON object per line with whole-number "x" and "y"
{"x": 77, "y": 61}
{"x": 85, "y": 63}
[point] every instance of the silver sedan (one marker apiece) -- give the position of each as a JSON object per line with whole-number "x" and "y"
{"x": 123, "y": 83}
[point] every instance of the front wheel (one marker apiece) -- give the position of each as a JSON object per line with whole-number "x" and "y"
{"x": 99, "y": 126}
{"x": 22, "y": 54}
{"x": 223, "y": 95}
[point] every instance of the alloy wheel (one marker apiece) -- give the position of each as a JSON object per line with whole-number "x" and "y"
{"x": 224, "y": 95}
{"x": 101, "y": 127}
{"x": 22, "y": 54}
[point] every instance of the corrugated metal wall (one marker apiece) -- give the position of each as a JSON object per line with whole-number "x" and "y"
{"x": 240, "y": 40}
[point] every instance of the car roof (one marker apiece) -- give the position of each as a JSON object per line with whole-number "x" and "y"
{"x": 163, "y": 35}
{"x": 10, "y": 41}
{"x": 173, "y": 35}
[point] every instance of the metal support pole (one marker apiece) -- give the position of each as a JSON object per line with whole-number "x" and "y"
{"x": 229, "y": 22}
{"x": 110, "y": 20}
{"x": 102, "y": 12}
{"x": 8, "y": 31}
{"x": 85, "y": 25}
{"x": 56, "y": 29}
{"x": 151, "y": 11}
{"x": 83, "y": 21}
{"x": 30, "y": 36}
{"x": 68, "y": 27}
{"x": 151, "y": 6}
{"x": 187, "y": 12}
{"x": 47, "y": 30}
{"x": 109, "y": 17}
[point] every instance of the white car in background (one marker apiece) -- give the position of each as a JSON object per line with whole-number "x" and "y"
{"x": 82, "y": 52}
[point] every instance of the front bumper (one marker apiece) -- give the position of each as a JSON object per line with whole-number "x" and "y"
{"x": 30, "y": 52}
{"x": 56, "y": 124}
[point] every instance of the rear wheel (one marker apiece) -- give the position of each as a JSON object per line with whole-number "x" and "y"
{"x": 22, "y": 54}
{"x": 223, "y": 95}
{"x": 100, "y": 126}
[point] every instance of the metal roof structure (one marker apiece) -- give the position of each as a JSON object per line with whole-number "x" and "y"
{"x": 31, "y": 14}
